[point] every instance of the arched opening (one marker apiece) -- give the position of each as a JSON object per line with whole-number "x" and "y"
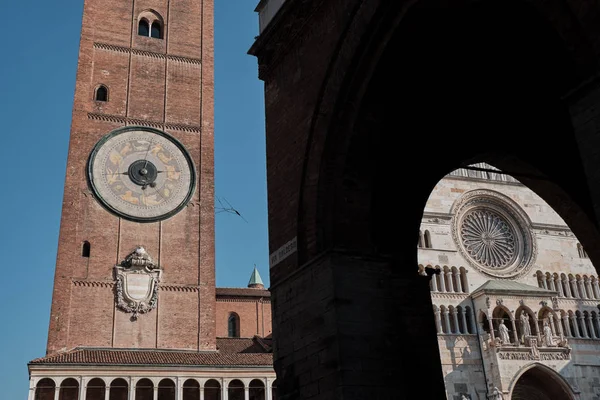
{"x": 257, "y": 390}
{"x": 274, "y": 390}
{"x": 69, "y": 389}
{"x": 470, "y": 323}
{"x": 484, "y": 322}
{"x": 166, "y": 389}
{"x": 85, "y": 249}
{"x": 95, "y": 389}
{"x": 156, "y": 30}
{"x": 453, "y": 314}
{"x": 143, "y": 28}
{"x": 212, "y": 390}
{"x": 119, "y": 390}
{"x": 541, "y": 383}
{"x": 445, "y": 322}
{"x": 525, "y": 322}
{"x": 502, "y": 325}
{"x": 462, "y": 320}
{"x": 233, "y": 325}
{"x": 235, "y": 390}
{"x": 427, "y": 239}
{"x": 144, "y": 390}
{"x": 44, "y": 389}
{"x": 463, "y": 280}
{"x": 573, "y": 325}
{"x": 101, "y": 93}
{"x": 191, "y": 390}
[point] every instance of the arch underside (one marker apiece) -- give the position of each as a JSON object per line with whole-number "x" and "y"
{"x": 540, "y": 384}
{"x": 473, "y": 82}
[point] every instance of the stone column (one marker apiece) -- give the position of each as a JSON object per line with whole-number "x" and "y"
{"x": 131, "y": 389}
{"x": 597, "y": 288}
{"x": 568, "y": 332}
{"x": 107, "y": 392}
{"x": 596, "y": 320}
{"x": 155, "y": 391}
{"x": 455, "y": 318}
{"x": 567, "y": 287}
{"x": 246, "y": 392}
{"x": 464, "y": 320}
{"x": 179, "y": 388}
{"x": 458, "y": 287}
{"x": 590, "y": 327}
{"x": 438, "y": 321}
{"x": 224, "y": 391}
{"x": 447, "y": 321}
{"x": 544, "y": 283}
{"x": 202, "y": 392}
{"x": 559, "y": 287}
{"x": 551, "y": 283}
{"x": 473, "y": 324}
{"x": 559, "y": 327}
{"x": 56, "y": 392}
{"x": 584, "y": 332}
{"x": 588, "y": 289}
{"x": 82, "y": 382}
{"x": 491, "y": 324}
{"x": 31, "y": 395}
{"x": 574, "y": 288}
{"x": 268, "y": 383}
{"x": 450, "y": 285}
{"x": 442, "y": 277}
{"x": 433, "y": 281}
{"x": 514, "y": 332}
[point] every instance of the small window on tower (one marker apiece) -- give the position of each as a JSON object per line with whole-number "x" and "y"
{"x": 85, "y": 249}
{"x": 144, "y": 28}
{"x": 156, "y": 31}
{"x": 102, "y": 93}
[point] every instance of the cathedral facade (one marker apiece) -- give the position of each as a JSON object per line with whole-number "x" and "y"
{"x": 515, "y": 297}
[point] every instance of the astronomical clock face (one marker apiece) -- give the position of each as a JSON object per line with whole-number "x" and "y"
{"x": 141, "y": 174}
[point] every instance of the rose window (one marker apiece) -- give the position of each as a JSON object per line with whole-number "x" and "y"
{"x": 488, "y": 238}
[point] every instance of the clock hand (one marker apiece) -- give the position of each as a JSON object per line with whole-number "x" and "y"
{"x": 146, "y": 156}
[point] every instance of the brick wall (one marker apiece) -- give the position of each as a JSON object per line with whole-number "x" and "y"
{"x": 165, "y": 83}
{"x": 254, "y": 314}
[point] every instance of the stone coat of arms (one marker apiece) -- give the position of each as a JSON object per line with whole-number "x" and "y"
{"x": 137, "y": 279}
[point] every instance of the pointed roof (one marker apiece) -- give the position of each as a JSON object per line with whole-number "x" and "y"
{"x": 255, "y": 279}
{"x": 506, "y": 287}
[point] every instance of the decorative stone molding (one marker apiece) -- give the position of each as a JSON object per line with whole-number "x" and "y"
{"x": 145, "y": 53}
{"x": 152, "y": 124}
{"x": 493, "y": 234}
{"x": 174, "y": 288}
{"x": 137, "y": 280}
{"x": 93, "y": 284}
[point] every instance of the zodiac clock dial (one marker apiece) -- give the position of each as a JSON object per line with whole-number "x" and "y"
{"x": 141, "y": 174}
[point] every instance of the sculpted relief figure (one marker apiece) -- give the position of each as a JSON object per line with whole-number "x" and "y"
{"x": 525, "y": 326}
{"x": 503, "y": 333}
{"x": 548, "y": 337}
{"x": 496, "y": 394}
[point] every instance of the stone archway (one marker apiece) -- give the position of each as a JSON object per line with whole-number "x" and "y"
{"x": 540, "y": 383}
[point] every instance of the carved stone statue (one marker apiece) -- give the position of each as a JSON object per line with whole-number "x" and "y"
{"x": 503, "y": 333}
{"x": 525, "y": 327}
{"x": 496, "y": 394}
{"x": 548, "y": 337}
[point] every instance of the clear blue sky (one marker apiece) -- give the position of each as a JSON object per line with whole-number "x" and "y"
{"x": 37, "y": 79}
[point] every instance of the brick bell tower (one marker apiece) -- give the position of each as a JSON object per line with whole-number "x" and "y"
{"x": 135, "y": 264}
